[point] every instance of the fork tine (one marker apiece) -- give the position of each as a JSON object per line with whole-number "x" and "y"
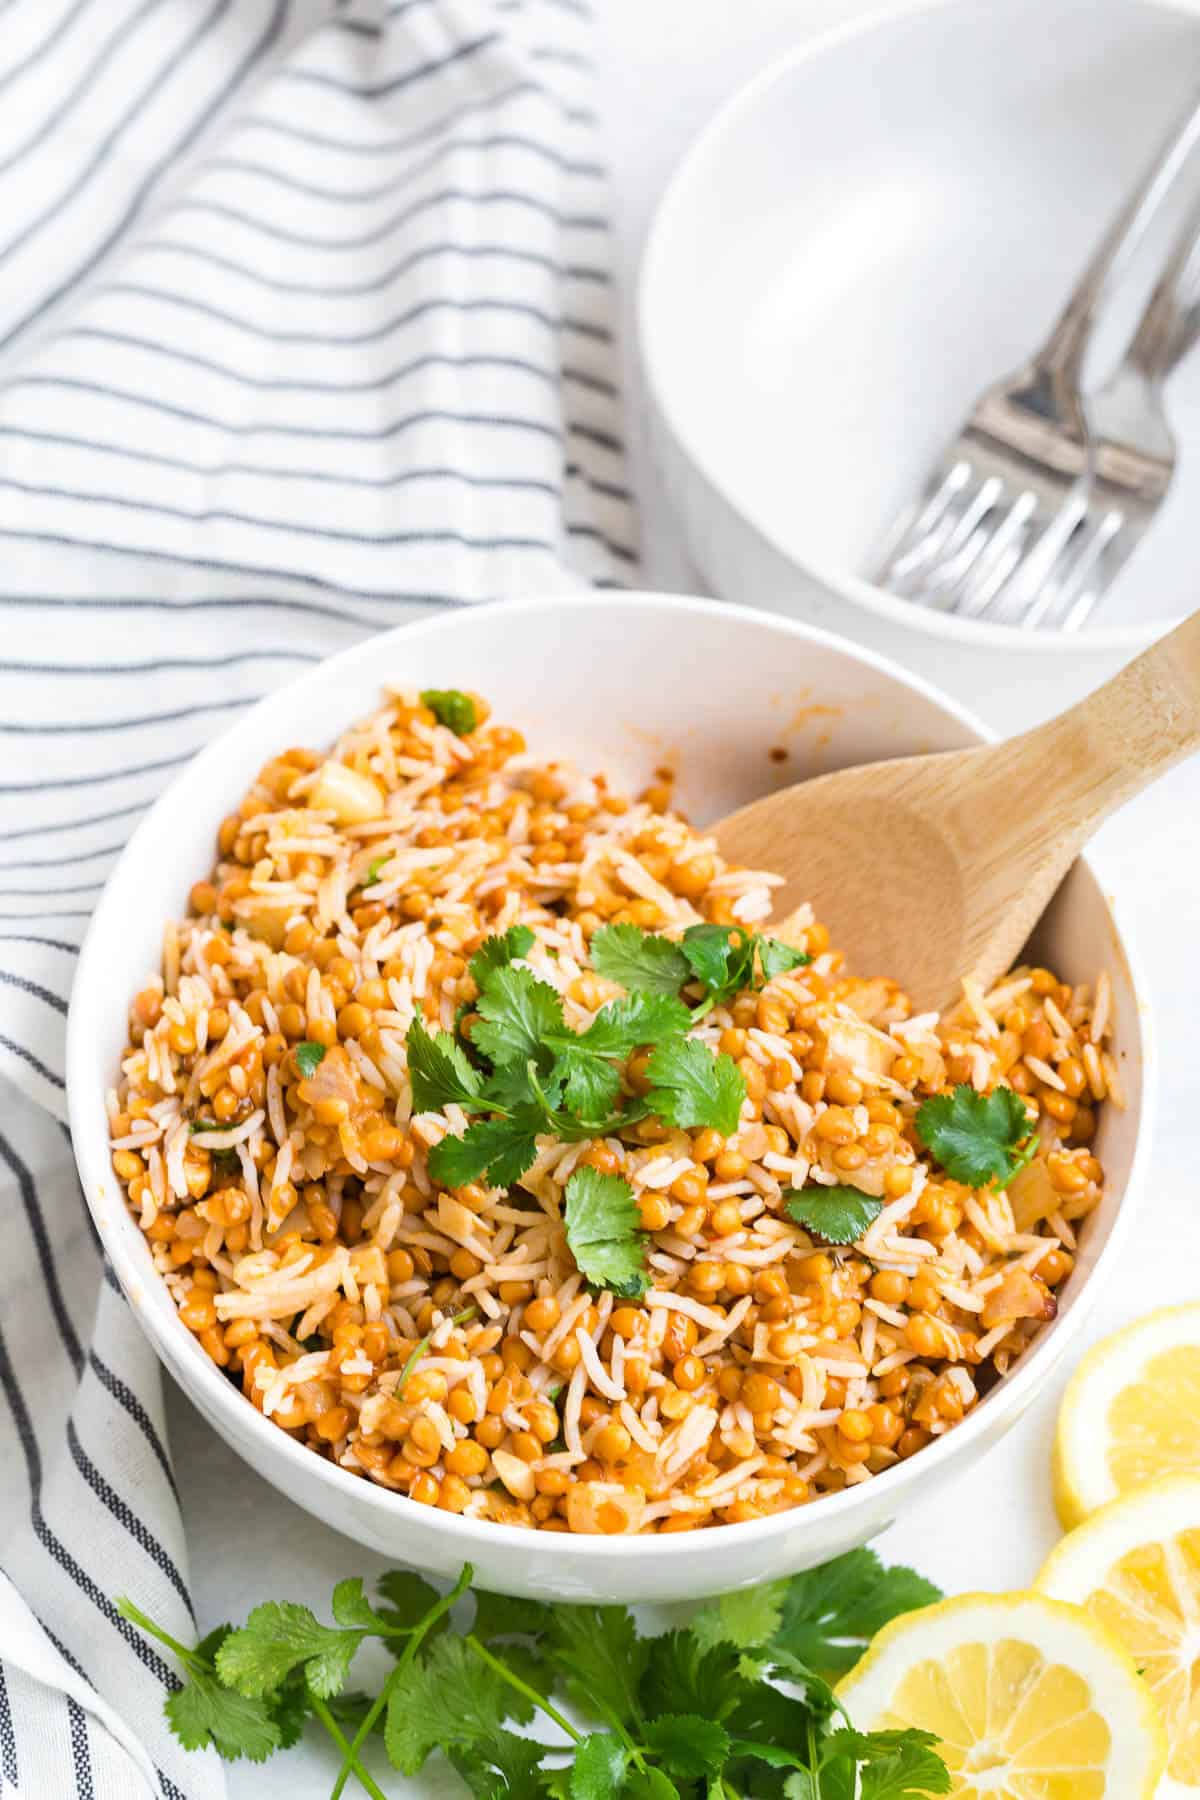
{"x": 1034, "y": 569}
{"x": 940, "y": 588}
{"x": 962, "y": 541}
{"x": 1082, "y": 556}
{"x": 934, "y": 550}
{"x": 906, "y": 553}
{"x": 1004, "y": 552}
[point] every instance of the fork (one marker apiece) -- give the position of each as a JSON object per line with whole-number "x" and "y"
{"x": 1132, "y": 452}
{"x": 1010, "y": 476}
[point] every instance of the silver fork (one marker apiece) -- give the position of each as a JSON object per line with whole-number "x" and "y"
{"x": 1133, "y": 452}
{"x": 1007, "y": 477}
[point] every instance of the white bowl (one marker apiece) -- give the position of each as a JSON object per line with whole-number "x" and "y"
{"x": 621, "y": 684}
{"x": 877, "y": 226}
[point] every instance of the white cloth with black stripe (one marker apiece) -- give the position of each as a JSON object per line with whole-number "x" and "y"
{"x": 305, "y": 328}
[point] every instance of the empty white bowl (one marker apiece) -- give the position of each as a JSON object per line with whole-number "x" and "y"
{"x": 622, "y": 684}
{"x": 876, "y": 227}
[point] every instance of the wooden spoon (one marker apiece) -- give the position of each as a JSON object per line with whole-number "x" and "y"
{"x": 932, "y": 868}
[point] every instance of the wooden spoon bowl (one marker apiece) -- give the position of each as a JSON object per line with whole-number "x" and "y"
{"x": 934, "y": 868}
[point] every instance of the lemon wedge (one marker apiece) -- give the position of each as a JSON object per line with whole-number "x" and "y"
{"x": 1131, "y": 1413}
{"x": 1031, "y": 1698}
{"x": 1135, "y": 1566}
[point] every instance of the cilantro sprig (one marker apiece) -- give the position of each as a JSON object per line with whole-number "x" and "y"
{"x": 978, "y": 1138}
{"x": 722, "y": 960}
{"x": 529, "y": 1074}
{"x": 695, "y": 1712}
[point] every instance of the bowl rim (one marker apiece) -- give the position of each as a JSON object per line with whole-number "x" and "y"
{"x": 177, "y": 1348}
{"x": 979, "y": 633}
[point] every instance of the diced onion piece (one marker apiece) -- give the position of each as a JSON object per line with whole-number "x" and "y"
{"x": 1019, "y": 1296}
{"x": 857, "y": 1045}
{"x": 516, "y": 1475}
{"x": 1033, "y": 1195}
{"x": 351, "y": 798}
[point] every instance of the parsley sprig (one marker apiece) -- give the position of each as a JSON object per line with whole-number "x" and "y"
{"x": 978, "y": 1138}
{"x": 696, "y": 1712}
{"x": 528, "y": 1074}
{"x": 721, "y": 960}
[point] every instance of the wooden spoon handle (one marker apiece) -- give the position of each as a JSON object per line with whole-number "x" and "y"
{"x": 1080, "y": 767}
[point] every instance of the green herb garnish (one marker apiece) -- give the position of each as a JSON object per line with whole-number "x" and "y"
{"x": 451, "y": 707}
{"x": 838, "y": 1214}
{"x": 375, "y": 867}
{"x": 309, "y": 1057}
{"x": 537, "y": 1077}
{"x": 694, "y": 1711}
{"x": 723, "y": 960}
{"x": 421, "y": 1348}
{"x": 975, "y": 1136}
{"x": 604, "y": 1233}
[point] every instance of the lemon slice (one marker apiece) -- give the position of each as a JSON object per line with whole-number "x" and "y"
{"x": 1032, "y": 1700}
{"x": 1135, "y": 1566}
{"x": 1131, "y": 1413}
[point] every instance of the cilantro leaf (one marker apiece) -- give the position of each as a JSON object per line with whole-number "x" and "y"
{"x": 639, "y": 960}
{"x": 279, "y": 1636}
{"x": 290, "y": 1707}
{"x": 508, "y": 1616}
{"x": 517, "y": 1012}
{"x": 598, "y": 1770}
{"x": 408, "y": 1597}
{"x": 497, "y": 952}
{"x": 974, "y": 1136}
{"x": 604, "y": 1232}
{"x": 309, "y": 1057}
{"x": 622, "y": 1025}
{"x": 650, "y": 1784}
{"x": 511, "y": 1087}
{"x": 692, "y": 1087}
{"x": 592, "y": 1085}
{"x": 592, "y": 1081}
{"x": 688, "y": 1746}
{"x": 448, "y": 1697}
{"x": 500, "y": 1148}
{"x": 350, "y": 1605}
{"x": 721, "y": 956}
{"x": 776, "y": 958}
{"x": 599, "y": 1658}
{"x": 746, "y": 1618}
{"x": 683, "y": 1675}
{"x": 893, "y": 1765}
{"x": 831, "y": 1613}
{"x": 838, "y": 1214}
{"x": 375, "y": 868}
{"x": 202, "y": 1712}
{"x": 439, "y": 1071}
{"x": 451, "y": 707}
{"x": 501, "y": 1767}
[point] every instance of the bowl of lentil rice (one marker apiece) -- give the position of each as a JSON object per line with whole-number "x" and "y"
{"x": 421, "y": 1360}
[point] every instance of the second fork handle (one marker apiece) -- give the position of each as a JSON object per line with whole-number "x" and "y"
{"x": 1170, "y": 324}
{"x": 1064, "y": 348}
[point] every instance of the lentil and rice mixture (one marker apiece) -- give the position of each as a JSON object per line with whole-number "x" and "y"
{"x": 295, "y": 1222}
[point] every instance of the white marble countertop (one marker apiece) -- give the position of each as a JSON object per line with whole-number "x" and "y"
{"x": 667, "y": 66}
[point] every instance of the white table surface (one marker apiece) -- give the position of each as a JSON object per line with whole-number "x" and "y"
{"x": 667, "y": 65}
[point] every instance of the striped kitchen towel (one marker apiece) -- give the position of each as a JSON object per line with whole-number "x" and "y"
{"x": 305, "y": 328}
